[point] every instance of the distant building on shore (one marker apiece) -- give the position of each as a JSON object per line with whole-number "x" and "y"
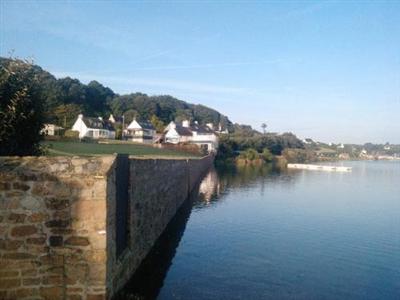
{"x": 51, "y": 129}
{"x": 95, "y": 128}
{"x": 140, "y": 132}
{"x": 203, "y": 136}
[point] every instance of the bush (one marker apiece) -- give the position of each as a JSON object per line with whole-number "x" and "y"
{"x": 71, "y": 134}
{"x": 21, "y": 109}
{"x": 267, "y": 155}
{"x": 251, "y": 154}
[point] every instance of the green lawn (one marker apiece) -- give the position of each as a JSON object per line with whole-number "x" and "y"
{"x": 57, "y": 148}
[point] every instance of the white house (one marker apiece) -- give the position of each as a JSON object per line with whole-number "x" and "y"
{"x": 140, "y": 132}
{"x": 202, "y": 136}
{"x": 95, "y": 128}
{"x": 51, "y": 129}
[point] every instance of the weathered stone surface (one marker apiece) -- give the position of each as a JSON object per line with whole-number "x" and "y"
{"x": 96, "y": 297}
{"x": 27, "y": 292}
{"x": 56, "y": 241}
{"x": 31, "y": 203}
{"x": 38, "y": 217}
{"x": 16, "y": 218}
{"x": 4, "y": 186}
{"x": 36, "y": 241}
{"x": 10, "y": 245}
{"x": 57, "y": 203}
{"x": 53, "y": 280}
{"x": 8, "y": 283}
{"x": 23, "y": 230}
{"x": 18, "y": 255}
{"x": 57, "y": 222}
{"x": 77, "y": 241}
{"x": 8, "y": 273}
{"x": 51, "y": 293}
{"x": 31, "y": 281}
{"x": 21, "y": 186}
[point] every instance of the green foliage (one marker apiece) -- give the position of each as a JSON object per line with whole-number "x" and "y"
{"x": 65, "y": 115}
{"x": 299, "y": 155}
{"x": 118, "y": 131}
{"x": 21, "y": 109}
{"x": 71, "y": 134}
{"x": 267, "y": 155}
{"x": 251, "y": 154}
{"x": 157, "y": 123}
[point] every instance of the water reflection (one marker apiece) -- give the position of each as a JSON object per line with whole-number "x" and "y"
{"x": 263, "y": 233}
{"x": 147, "y": 282}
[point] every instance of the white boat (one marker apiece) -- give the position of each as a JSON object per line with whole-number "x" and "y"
{"x": 319, "y": 167}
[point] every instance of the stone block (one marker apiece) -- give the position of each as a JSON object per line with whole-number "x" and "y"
{"x": 51, "y": 293}
{"x": 57, "y": 203}
{"x": 96, "y": 297}
{"x": 38, "y": 217}
{"x": 36, "y": 240}
{"x": 31, "y": 281}
{"x": 10, "y": 245}
{"x": 18, "y": 255}
{"x": 77, "y": 241}
{"x": 27, "y": 292}
{"x": 23, "y": 230}
{"x": 9, "y": 283}
{"x": 8, "y": 273}
{"x": 56, "y": 241}
{"x": 21, "y": 186}
{"x": 16, "y": 218}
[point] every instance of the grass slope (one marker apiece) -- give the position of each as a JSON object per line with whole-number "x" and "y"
{"x": 57, "y": 148}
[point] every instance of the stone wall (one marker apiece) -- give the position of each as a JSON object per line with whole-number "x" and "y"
{"x": 52, "y": 227}
{"x": 158, "y": 187}
{"x": 58, "y": 222}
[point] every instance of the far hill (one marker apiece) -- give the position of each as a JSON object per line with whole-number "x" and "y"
{"x": 66, "y": 97}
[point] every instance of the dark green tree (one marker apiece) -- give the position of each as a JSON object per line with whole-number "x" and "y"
{"x": 21, "y": 109}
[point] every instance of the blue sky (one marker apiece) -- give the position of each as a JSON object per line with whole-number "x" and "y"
{"x": 326, "y": 70}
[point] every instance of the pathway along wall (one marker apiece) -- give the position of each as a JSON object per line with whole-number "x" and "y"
{"x": 77, "y": 228}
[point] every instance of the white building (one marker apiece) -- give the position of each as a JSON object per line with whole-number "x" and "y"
{"x": 140, "y": 132}
{"x": 202, "y": 136}
{"x": 95, "y": 128}
{"x": 51, "y": 129}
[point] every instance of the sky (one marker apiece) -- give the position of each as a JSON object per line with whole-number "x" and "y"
{"x": 329, "y": 70}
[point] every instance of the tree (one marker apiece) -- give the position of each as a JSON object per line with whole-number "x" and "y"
{"x": 267, "y": 155}
{"x": 157, "y": 123}
{"x": 65, "y": 115}
{"x": 21, "y": 109}
{"x": 263, "y": 126}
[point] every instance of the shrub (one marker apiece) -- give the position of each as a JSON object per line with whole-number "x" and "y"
{"x": 71, "y": 134}
{"x": 251, "y": 154}
{"x": 267, "y": 155}
{"x": 21, "y": 109}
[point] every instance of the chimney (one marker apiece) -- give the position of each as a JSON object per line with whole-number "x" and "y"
{"x": 210, "y": 125}
{"x": 186, "y": 123}
{"x": 80, "y": 116}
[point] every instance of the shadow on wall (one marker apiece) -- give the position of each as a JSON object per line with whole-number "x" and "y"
{"x": 148, "y": 280}
{"x": 52, "y": 227}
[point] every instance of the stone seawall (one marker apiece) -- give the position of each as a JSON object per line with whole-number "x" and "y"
{"x": 59, "y": 221}
{"x": 157, "y": 189}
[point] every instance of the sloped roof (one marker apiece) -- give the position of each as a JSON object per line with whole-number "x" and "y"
{"x": 146, "y": 125}
{"x": 201, "y": 129}
{"x": 98, "y": 124}
{"x": 183, "y": 130}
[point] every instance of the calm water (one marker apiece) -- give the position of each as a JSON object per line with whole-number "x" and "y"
{"x": 262, "y": 234}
